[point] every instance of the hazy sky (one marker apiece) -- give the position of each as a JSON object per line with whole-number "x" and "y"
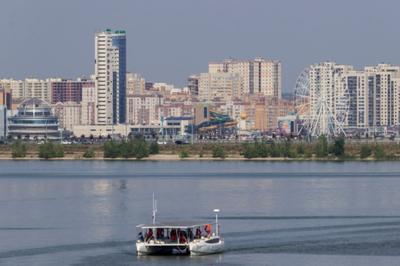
{"x": 167, "y": 40}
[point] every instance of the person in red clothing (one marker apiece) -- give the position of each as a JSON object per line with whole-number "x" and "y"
{"x": 173, "y": 235}
{"x": 182, "y": 237}
{"x": 149, "y": 234}
{"x": 208, "y": 229}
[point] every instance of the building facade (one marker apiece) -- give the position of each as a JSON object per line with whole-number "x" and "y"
{"x": 110, "y": 73}
{"x": 135, "y": 84}
{"x": 144, "y": 109}
{"x": 368, "y": 98}
{"x": 219, "y": 86}
{"x": 3, "y": 123}
{"x": 68, "y": 114}
{"x": 258, "y": 76}
{"x": 193, "y": 84}
{"x": 5, "y": 97}
{"x": 89, "y": 97}
{"x": 16, "y": 87}
{"x": 68, "y": 90}
{"x": 35, "y": 120}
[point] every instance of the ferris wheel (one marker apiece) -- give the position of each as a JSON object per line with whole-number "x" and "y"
{"x": 322, "y": 111}
{"x": 302, "y": 101}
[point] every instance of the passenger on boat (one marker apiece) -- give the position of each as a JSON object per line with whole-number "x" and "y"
{"x": 190, "y": 234}
{"x": 140, "y": 237}
{"x": 160, "y": 233}
{"x": 208, "y": 229}
{"x": 173, "y": 235}
{"x": 198, "y": 233}
{"x": 149, "y": 234}
{"x": 182, "y": 237}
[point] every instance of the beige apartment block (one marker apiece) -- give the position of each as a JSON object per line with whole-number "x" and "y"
{"x": 258, "y": 76}
{"x": 219, "y": 85}
{"x": 89, "y": 97}
{"x": 68, "y": 114}
{"x": 135, "y": 84}
{"x": 144, "y": 109}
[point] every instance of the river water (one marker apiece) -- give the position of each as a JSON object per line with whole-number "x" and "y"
{"x": 272, "y": 213}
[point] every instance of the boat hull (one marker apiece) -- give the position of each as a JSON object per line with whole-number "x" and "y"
{"x": 143, "y": 249}
{"x": 206, "y": 247}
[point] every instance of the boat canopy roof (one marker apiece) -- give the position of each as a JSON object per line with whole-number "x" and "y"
{"x": 178, "y": 225}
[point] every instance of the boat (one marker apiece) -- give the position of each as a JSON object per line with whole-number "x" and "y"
{"x": 179, "y": 238}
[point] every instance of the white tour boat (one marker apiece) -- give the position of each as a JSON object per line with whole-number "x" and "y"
{"x": 179, "y": 238}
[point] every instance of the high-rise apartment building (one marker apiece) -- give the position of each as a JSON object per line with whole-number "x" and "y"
{"x": 365, "y": 98}
{"x": 89, "y": 98}
{"x": 356, "y": 86}
{"x": 110, "y": 72}
{"x": 67, "y": 90}
{"x": 258, "y": 76}
{"x": 327, "y": 97}
{"x": 383, "y": 95}
{"x": 193, "y": 84}
{"x": 36, "y": 88}
{"x": 219, "y": 86}
{"x": 15, "y": 86}
{"x": 144, "y": 109}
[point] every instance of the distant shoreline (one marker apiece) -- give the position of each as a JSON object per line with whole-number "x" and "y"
{"x": 253, "y": 152}
{"x": 171, "y": 157}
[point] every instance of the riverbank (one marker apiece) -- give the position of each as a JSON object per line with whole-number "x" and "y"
{"x": 283, "y": 151}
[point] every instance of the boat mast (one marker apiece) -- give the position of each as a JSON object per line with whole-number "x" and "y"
{"x": 154, "y": 210}
{"x": 216, "y": 211}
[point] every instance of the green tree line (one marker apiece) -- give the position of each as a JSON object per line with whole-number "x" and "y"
{"x": 137, "y": 148}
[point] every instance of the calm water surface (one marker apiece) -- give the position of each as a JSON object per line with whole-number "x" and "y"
{"x": 273, "y": 213}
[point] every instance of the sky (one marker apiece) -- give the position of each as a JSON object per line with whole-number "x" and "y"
{"x": 167, "y": 40}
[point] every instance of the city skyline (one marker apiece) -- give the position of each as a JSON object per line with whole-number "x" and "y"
{"x": 168, "y": 42}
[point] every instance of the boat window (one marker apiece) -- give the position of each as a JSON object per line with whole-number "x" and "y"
{"x": 214, "y": 240}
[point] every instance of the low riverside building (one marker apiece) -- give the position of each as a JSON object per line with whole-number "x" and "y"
{"x": 172, "y": 129}
{"x": 100, "y": 130}
{"x": 35, "y": 120}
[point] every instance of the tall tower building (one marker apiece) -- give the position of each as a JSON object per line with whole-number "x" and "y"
{"x": 110, "y": 72}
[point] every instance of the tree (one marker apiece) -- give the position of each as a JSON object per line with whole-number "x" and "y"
{"x": 249, "y": 151}
{"x": 218, "y": 152}
{"x": 366, "y": 151}
{"x": 321, "y": 149}
{"x": 49, "y": 150}
{"x": 338, "y": 147}
{"x": 90, "y": 153}
{"x": 154, "y": 148}
{"x": 18, "y": 149}
{"x": 379, "y": 152}
{"x": 140, "y": 148}
{"x": 275, "y": 150}
{"x": 136, "y": 148}
{"x": 111, "y": 149}
{"x": 125, "y": 149}
{"x": 292, "y": 153}
{"x": 308, "y": 153}
{"x": 286, "y": 149}
{"x": 183, "y": 154}
{"x": 301, "y": 149}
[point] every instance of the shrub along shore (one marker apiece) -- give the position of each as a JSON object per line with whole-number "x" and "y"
{"x": 139, "y": 149}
